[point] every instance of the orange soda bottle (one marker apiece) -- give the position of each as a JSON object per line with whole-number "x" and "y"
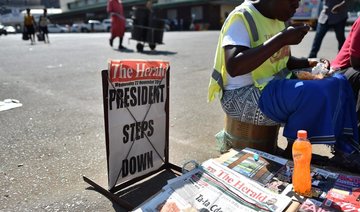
{"x": 301, "y": 152}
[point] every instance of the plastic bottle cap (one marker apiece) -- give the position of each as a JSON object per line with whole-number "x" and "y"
{"x": 256, "y": 157}
{"x": 302, "y": 134}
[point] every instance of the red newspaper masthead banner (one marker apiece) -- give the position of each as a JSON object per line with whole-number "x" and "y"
{"x": 126, "y": 70}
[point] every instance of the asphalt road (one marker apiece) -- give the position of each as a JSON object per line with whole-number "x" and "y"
{"x": 57, "y": 136}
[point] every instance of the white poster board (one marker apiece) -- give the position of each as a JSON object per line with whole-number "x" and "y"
{"x": 136, "y": 120}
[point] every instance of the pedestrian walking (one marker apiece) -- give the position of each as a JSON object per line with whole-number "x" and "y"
{"x": 43, "y": 24}
{"x": 333, "y": 15}
{"x": 115, "y": 8}
{"x": 29, "y": 23}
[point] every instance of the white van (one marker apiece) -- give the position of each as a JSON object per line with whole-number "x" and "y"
{"x": 107, "y": 25}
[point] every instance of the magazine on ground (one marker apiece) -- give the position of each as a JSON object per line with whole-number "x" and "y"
{"x": 275, "y": 173}
{"x": 312, "y": 205}
{"x": 347, "y": 182}
{"x": 254, "y": 164}
{"x": 214, "y": 187}
{"x": 345, "y": 195}
{"x": 277, "y": 185}
{"x": 322, "y": 181}
{"x": 343, "y": 200}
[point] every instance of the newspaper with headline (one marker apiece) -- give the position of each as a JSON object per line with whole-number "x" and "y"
{"x": 214, "y": 187}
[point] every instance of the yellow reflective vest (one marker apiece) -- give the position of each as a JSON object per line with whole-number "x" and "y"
{"x": 260, "y": 29}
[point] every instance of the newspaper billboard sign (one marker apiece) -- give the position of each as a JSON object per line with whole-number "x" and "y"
{"x": 135, "y": 95}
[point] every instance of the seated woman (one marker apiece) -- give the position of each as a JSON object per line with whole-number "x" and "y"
{"x": 347, "y": 62}
{"x": 253, "y": 53}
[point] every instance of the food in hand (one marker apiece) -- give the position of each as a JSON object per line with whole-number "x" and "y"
{"x": 304, "y": 75}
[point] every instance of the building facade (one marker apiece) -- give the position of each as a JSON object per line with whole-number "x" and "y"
{"x": 30, "y": 3}
{"x": 12, "y": 11}
{"x": 180, "y": 14}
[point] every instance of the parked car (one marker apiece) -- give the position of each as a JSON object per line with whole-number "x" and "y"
{"x": 107, "y": 25}
{"x": 10, "y": 29}
{"x": 76, "y": 27}
{"x": 56, "y": 28}
{"x": 3, "y": 30}
{"x": 352, "y": 16}
{"x": 92, "y": 26}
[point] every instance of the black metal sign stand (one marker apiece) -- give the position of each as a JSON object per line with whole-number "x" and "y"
{"x": 110, "y": 194}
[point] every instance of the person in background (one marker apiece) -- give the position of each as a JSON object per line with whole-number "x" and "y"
{"x": 149, "y": 5}
{"x": 333, "y": 15}
{"x": 347, "y": 62}
{"x": 115, "y": 8}
{"x": 149, "y": 15}
{"x": 29, "y": 23}
{"x": 251, "y": 72}
{"x": 43, "y": 24}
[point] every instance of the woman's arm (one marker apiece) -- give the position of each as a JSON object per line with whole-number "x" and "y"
{"x": 242, "y": 60}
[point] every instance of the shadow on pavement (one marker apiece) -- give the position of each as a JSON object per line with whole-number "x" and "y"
{"x": 126, "y": 50}
{"x": 150, "y": 52}
{"x": 138, "y": 193}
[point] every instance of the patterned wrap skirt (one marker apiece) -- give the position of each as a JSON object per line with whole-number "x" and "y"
{"x": 242, "y": 105}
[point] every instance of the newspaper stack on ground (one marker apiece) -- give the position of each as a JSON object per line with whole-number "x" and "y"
{"x": 214, "y": 187}
{"x": 251, "y": 180}
{"x": 330, "y": 191}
